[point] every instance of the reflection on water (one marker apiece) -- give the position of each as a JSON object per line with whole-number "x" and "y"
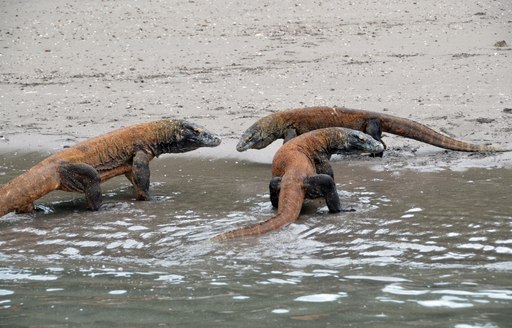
{"x": 421, "y": 249}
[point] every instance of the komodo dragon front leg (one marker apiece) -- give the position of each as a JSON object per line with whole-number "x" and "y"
{"x": 139, "y": 175}
{"x": 374, "y": 129}
{"x": 289, "y": 134}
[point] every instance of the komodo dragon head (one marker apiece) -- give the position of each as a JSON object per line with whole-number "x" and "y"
{"x": 261, "y": 134}
{"x": 350, "y": 141}
{"x": 183, "y": 136}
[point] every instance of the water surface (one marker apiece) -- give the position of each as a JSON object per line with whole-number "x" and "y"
{"x": 422, "y": 249}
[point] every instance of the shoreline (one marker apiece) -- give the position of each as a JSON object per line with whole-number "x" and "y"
{"x": 77, "y": 73}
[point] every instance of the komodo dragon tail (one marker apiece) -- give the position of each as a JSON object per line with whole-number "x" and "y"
{"x": 291, "y": 199}
{"x": 20, "y": 193}
{"x": 417, "y": 131}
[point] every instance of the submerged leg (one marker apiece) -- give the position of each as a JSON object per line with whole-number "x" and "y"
{"x": 82, "y": 178}
{"x": 323, "y": 185}
{"x": 139, "y": 175}
{"x": 374, "y": 129}
{"x": 275, "y": 188}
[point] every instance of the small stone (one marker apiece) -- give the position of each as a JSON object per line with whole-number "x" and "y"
{"x": 485, "y": 120}
{"x": 501, "y": 44}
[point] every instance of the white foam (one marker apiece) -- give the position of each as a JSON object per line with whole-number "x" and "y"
{"x": 240, "y": 297}
{"x": 476, "y": 246}
{"x": 320, "y": 298}
{"x": 487, "y": 325}
{"x": 172, "y": 278}
{"x": 34, "y": 231}
{"x": 451, "y": 302}
{"x": 20, "y": 275}
{"x": 218, "y": 283}
{"x": 497, "y": 294}
{"x": 282, "y": 281}
{"x": 377, "y": 278}
{"x": 118, "y": 292}
{"x": 52, "y": 242}
{"x": 280, "y": 311}
{"x": 137, "y": 228}
{"x": 397, "y": 289}
{"x": 89, "y": 243}
{"x": 127, "y": 244}
{"x": 70, "y": 251}
{"x": 503, "y": 250}
{"x": 5, "y": 292}
{"x": 121, "y": 223}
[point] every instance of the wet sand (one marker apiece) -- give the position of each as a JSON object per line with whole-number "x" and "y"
{"x": 72, "y": 70}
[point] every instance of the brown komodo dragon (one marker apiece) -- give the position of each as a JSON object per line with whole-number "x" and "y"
{"x": 290, "y": 123}
{"x": 300, "y": 169}
{"x": 83, "y": 167}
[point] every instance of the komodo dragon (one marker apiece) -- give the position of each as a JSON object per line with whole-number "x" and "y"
{"x": 300, "y": 170}
{"x": 84, "y": 166}
{"x": 290, "y": 123}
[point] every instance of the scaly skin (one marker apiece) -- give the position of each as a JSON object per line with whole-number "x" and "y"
{"x": 290, "y": 123}
{"x": 300, "y": 170}
{"x": 84, "y": 166}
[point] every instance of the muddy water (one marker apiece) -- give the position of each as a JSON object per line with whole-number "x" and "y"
{"x": 422, "y": 249}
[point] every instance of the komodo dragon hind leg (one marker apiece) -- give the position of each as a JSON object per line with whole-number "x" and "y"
{"x": 374, "y": 129}
{"x": 82, "y": 178}
{"x": 323, "y": 185}
{"x": 275, "y": 188}
{"x": 140, "y": 175}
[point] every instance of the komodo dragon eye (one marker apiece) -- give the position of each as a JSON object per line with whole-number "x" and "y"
{"x": 361, "y": 137}
{"x": 253, "y": 137}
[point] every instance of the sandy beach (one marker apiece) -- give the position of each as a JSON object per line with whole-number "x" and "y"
{"x": 72, "y": 70}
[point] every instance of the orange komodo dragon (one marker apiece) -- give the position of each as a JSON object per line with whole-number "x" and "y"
{"x": 300, "y": 169}
{"x": 84, "y": 166}
{"x": 290, "y": 123}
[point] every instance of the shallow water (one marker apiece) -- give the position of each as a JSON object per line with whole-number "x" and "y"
{"x": 422, "y": 249}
